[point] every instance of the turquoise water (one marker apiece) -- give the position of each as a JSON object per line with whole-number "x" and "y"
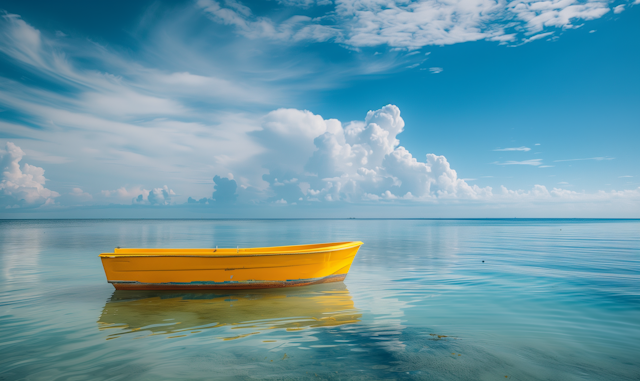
{"x": 554, "y": 300}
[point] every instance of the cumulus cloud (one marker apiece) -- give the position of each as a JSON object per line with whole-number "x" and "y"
{"x": 309, "y": 159}
{"x": 80, "y": 194}
{"x": 126, "y": 194}
{"x": 23, "y": 185}
{"x": 139, "y": 195}
{"x": 138, "y": 119}
{"x": 225, "y": 190}
{"x": 318, "y": 159}
{"x": 160, "y": 196}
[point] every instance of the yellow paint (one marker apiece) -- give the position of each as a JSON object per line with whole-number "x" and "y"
{"x": 210, "y": 268}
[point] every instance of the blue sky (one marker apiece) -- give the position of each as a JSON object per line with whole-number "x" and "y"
{"x": 301, "y": 108}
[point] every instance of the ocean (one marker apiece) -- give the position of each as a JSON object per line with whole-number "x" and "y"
{"x": 553, "y": 300}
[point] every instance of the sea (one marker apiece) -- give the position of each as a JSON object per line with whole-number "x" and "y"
{"x": 511, "y": 299}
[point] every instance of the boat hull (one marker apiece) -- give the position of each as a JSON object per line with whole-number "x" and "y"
{"x": 227, "y": 285}
{"x": 203, "y": 269}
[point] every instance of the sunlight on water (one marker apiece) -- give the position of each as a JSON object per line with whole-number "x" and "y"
{"x": 553, "y": 300}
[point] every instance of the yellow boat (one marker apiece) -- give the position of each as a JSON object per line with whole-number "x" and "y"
{"x": 262, "y": 267}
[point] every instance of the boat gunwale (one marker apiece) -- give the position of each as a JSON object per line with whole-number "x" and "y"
{"x": 340, "y": 247}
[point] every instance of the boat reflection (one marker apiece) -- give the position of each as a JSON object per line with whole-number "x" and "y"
{"x": 249, "y": 311}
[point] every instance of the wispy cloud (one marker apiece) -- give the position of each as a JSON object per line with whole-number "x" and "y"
{"x": 618, "y": 9}
{"x": 624, "y": 176}
{"x": 536, "y": 37}
{"x": 436, "y": 70}
{"x": 412, "y": 25}
{"x": 514, "y": 149}
{"x": 590, "y": 158}
{"x": 178, "y": 124}
{"x": 534, "y": 162}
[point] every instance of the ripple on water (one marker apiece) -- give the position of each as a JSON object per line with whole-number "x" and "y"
{"x": 419, "y": 303}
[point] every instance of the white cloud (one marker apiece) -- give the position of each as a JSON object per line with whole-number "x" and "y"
{"x": 160, "y": 196}
{"x": 360, "y": 160}
{"x": 399, "y": 23}
{"x": 145, "y": 133}
{"x": 618, "y": 9}
{"x": 555, "y": 13}
{"x": 304, "y": 3}
{"x": 625, "y": 176}
{"x": 534, "y": 162}
{"x": 370, "y": 197}
{"x": 80, "y": 194}
{"x": 514, "y": 149}
{"x": 541, "y": 193}
{"x": 139, "y": 195}
{"x": 21, "y": 40}
{"x": 128, "y": 195}
{"x": 23, "y": 184}
{"x": 123, "y": 120}
{"x": 537, "y": 37}
{"x": 436, "y": 70}
{"x": 295, "y": 28}
{"x": 124, "y": 102}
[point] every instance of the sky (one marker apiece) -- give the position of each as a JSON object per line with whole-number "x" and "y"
{"x": 320, "y": 109}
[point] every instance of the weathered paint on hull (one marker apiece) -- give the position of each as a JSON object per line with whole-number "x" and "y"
{"x": 208, "y": 269}
{"x": 225, "y": 285}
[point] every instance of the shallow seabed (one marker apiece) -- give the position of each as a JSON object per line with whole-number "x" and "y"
{"x": 553, "y": 300}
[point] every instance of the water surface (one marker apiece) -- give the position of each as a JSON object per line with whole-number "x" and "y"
{"x": 553, "y": 300}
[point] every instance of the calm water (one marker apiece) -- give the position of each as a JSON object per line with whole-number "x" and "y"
{"x": 554, "y": 300}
